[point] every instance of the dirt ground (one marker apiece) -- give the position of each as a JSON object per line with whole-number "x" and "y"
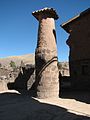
{"x": 70, "y": 106}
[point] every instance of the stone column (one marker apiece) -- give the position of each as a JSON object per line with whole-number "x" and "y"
{"x": 47, "y": 81}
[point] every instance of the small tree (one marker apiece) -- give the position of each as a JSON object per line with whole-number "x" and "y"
{"x": 0, "y": 65}
{"x": 13, "y": 65}
{"x": 59, "y": 66}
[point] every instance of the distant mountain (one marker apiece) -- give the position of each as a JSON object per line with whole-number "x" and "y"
{"x": 27, "y": 59}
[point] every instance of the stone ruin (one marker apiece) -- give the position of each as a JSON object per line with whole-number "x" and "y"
{"x": 46, "y": 81}
{"x": 21, "y": 79}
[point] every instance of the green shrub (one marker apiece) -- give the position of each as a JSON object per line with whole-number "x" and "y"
{"x": 13, "y": 65}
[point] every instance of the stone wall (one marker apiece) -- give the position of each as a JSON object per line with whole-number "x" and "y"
{"x": 79, "y": 57}
{"x": 79, "y": 39}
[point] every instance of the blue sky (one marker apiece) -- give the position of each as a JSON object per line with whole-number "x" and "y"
{"x": 18, "y": 28}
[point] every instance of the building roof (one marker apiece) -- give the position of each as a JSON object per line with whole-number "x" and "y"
{"x": 67, "y": 23}
{"x": 50, "y": 11}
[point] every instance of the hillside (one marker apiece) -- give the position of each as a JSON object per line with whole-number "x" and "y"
{"x": 30, "y": 59}
{"x": 27, "y": 59}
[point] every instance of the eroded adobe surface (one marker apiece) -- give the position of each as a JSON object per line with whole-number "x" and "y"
{"x": 47, "y": 84}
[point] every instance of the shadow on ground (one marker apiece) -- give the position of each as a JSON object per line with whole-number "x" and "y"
{"x": 79, "y": 95}
{"x": 21, "y": 107}
{"x": 67, "y": 92}
{"x": 20, "y": 84}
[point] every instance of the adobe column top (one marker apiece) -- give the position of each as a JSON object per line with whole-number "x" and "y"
{"x": 45, "y": 12}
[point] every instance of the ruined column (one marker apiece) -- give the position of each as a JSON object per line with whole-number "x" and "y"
{"x": 47, "y": 81}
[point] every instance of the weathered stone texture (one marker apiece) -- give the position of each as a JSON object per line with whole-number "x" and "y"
{"x": 47, "y": 83}
{"x": 79, "y": 44}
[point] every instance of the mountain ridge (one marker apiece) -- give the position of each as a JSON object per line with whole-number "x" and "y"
{"x": 27, "y": 59}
